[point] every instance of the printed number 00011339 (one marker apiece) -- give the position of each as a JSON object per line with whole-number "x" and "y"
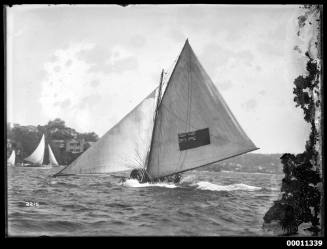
{"x": 304, "y": 242}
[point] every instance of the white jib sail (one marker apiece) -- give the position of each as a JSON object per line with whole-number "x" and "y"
{"x": 52, "y": 158}
{"x": 11, "y": 159}
{"x": 123, "y": 147}
{"x": 194, "y": 125}
{"x": 38, "y": 154}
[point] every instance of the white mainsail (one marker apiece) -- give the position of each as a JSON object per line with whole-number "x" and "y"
{"x": 38, "y": 154}
{"x": 52, "y": 158}
{"x": 194, "y": 126}
{"x": 123, "y": 147}
{"x": 11, "y": 159}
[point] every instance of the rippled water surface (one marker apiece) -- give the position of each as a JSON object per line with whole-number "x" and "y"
{"x": 205, "y": 203}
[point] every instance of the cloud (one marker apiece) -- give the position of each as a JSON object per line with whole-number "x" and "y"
{"x": 214, "y": 56}
{"x": 233, "y": 36}
{"x": 270, "y": 48}
{"x": 56, "y": 68}
{"x": 62, "y": 104}
{"x": 225, "y": 85}
{"x": 258, "y": 68}
{"x": 97, "y": 56}
{"x": 250, "y": 104}
{"x": 94, "y": 83}
{"x": 18, "y": 33}
{"x": 177, "y": 35}
{"x": 244, "y": 56}
{"x": 137, "y": 41}
{"x": 89, "y": 101}
{"x": 191, "y": 18}
{"x": 68, "y": 63}
{"x": 262, "y": 92}
{"x": 124, "y": 64}
{"x": 103, "y": 60}
{"x": 53, "y": 58}
{"x": 279, "y": 32}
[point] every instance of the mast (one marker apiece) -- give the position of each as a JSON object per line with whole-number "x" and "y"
{"x": 155, "y": 119}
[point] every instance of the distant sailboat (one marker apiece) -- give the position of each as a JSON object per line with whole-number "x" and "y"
{"x": 52, "y": 158}
{"x": 37, "y": 157}
{"x": 12, "y": 158}
{"x": 182, "y": 125}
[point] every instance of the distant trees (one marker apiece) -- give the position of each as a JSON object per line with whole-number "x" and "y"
{"x": 56, "y": 129}
{"x": 90, "y": 136}
{"x": 56, "y": 123}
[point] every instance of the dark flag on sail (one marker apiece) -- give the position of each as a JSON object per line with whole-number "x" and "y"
{"x": 193, "y": 139}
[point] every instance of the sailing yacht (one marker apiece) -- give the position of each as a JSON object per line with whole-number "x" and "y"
{"x": 181, "y": 125}
{"x": 36, "y": 159}
{"x": 11, "y": 160}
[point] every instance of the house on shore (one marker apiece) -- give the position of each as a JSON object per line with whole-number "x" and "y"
{"x": 75, "y": 145}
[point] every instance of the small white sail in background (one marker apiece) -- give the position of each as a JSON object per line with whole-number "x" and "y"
{"x": 11, "y": 159}
{"x": 52, "y": 158}
{"x": 37, "y": 156}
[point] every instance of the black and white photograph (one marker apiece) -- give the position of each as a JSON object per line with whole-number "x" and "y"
{"x": 164, "y": 120}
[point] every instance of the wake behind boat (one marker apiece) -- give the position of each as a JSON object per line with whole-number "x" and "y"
{"x": 182, "y": 125}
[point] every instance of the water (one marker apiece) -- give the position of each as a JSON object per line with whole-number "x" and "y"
{"x": 204, "y": 204}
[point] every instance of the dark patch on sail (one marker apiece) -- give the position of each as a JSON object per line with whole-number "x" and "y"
{"x": 193, "y": 139}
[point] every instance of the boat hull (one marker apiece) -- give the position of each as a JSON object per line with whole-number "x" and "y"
{"x": 142, "y": 176}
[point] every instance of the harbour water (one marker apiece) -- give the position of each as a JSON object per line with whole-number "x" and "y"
{"x": 206, "y": 203}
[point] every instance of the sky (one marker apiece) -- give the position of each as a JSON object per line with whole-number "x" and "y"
{"x": 91, "y": 65}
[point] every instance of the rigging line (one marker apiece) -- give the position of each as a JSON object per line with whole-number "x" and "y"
{"x": 160, "y": 118}
{"x": 191, "y": 90}
{"x": 158, "y": 135}
{"x": 189, "y": 86}
{"x": 160, "y": 129}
